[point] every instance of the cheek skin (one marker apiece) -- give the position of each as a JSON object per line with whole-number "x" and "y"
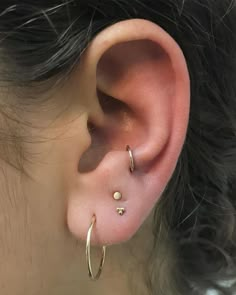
{"x": 50, "y": 249}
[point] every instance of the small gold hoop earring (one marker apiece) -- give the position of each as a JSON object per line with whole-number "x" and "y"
{"x": 131, "y": 156}
{"x": 88, "y": 254}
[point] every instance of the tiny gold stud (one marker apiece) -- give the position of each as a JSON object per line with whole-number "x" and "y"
{"x": 120, "y": 211}
{"x": 117, "y": 196}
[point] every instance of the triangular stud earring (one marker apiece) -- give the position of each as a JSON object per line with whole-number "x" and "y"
{"x": 120, "y": 211}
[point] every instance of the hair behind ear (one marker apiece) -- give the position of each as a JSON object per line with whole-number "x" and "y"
{"x": 198, "y": 205}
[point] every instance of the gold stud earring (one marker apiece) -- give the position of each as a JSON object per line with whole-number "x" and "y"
{"x": 120, "y": 211}
{"x": 117, "y": 196}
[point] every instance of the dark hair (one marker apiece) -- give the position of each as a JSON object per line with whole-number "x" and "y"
{"x": 195, "y": 220}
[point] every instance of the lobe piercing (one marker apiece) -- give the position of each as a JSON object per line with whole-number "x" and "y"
{"x": 117, "y": 196}
{"x": 88, "y": 255}
{"x": 120, "y": 211}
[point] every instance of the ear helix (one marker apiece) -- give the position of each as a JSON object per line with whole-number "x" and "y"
{"x": 121, "y": 211}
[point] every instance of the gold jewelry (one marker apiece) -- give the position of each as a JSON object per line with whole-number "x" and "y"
{"x": 88, "y": 255}
{"x": 117, "y": 196}
{"x": 131, "y": 156}
{"x": 120, "y": 211}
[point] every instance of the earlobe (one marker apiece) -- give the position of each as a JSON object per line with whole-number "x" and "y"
{"x": 143, "y": 87}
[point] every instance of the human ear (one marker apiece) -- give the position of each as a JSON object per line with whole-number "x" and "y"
{"x": 138, "y": 74}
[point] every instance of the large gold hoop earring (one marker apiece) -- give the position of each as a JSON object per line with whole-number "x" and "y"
{"x": 88, "y": 254}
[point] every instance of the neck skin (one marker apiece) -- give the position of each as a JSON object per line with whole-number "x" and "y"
{"x": 39, "y": 256}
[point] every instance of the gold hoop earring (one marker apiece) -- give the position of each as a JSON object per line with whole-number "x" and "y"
{"x": 88, "y": 254}
{"x": 131, "y": 157}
